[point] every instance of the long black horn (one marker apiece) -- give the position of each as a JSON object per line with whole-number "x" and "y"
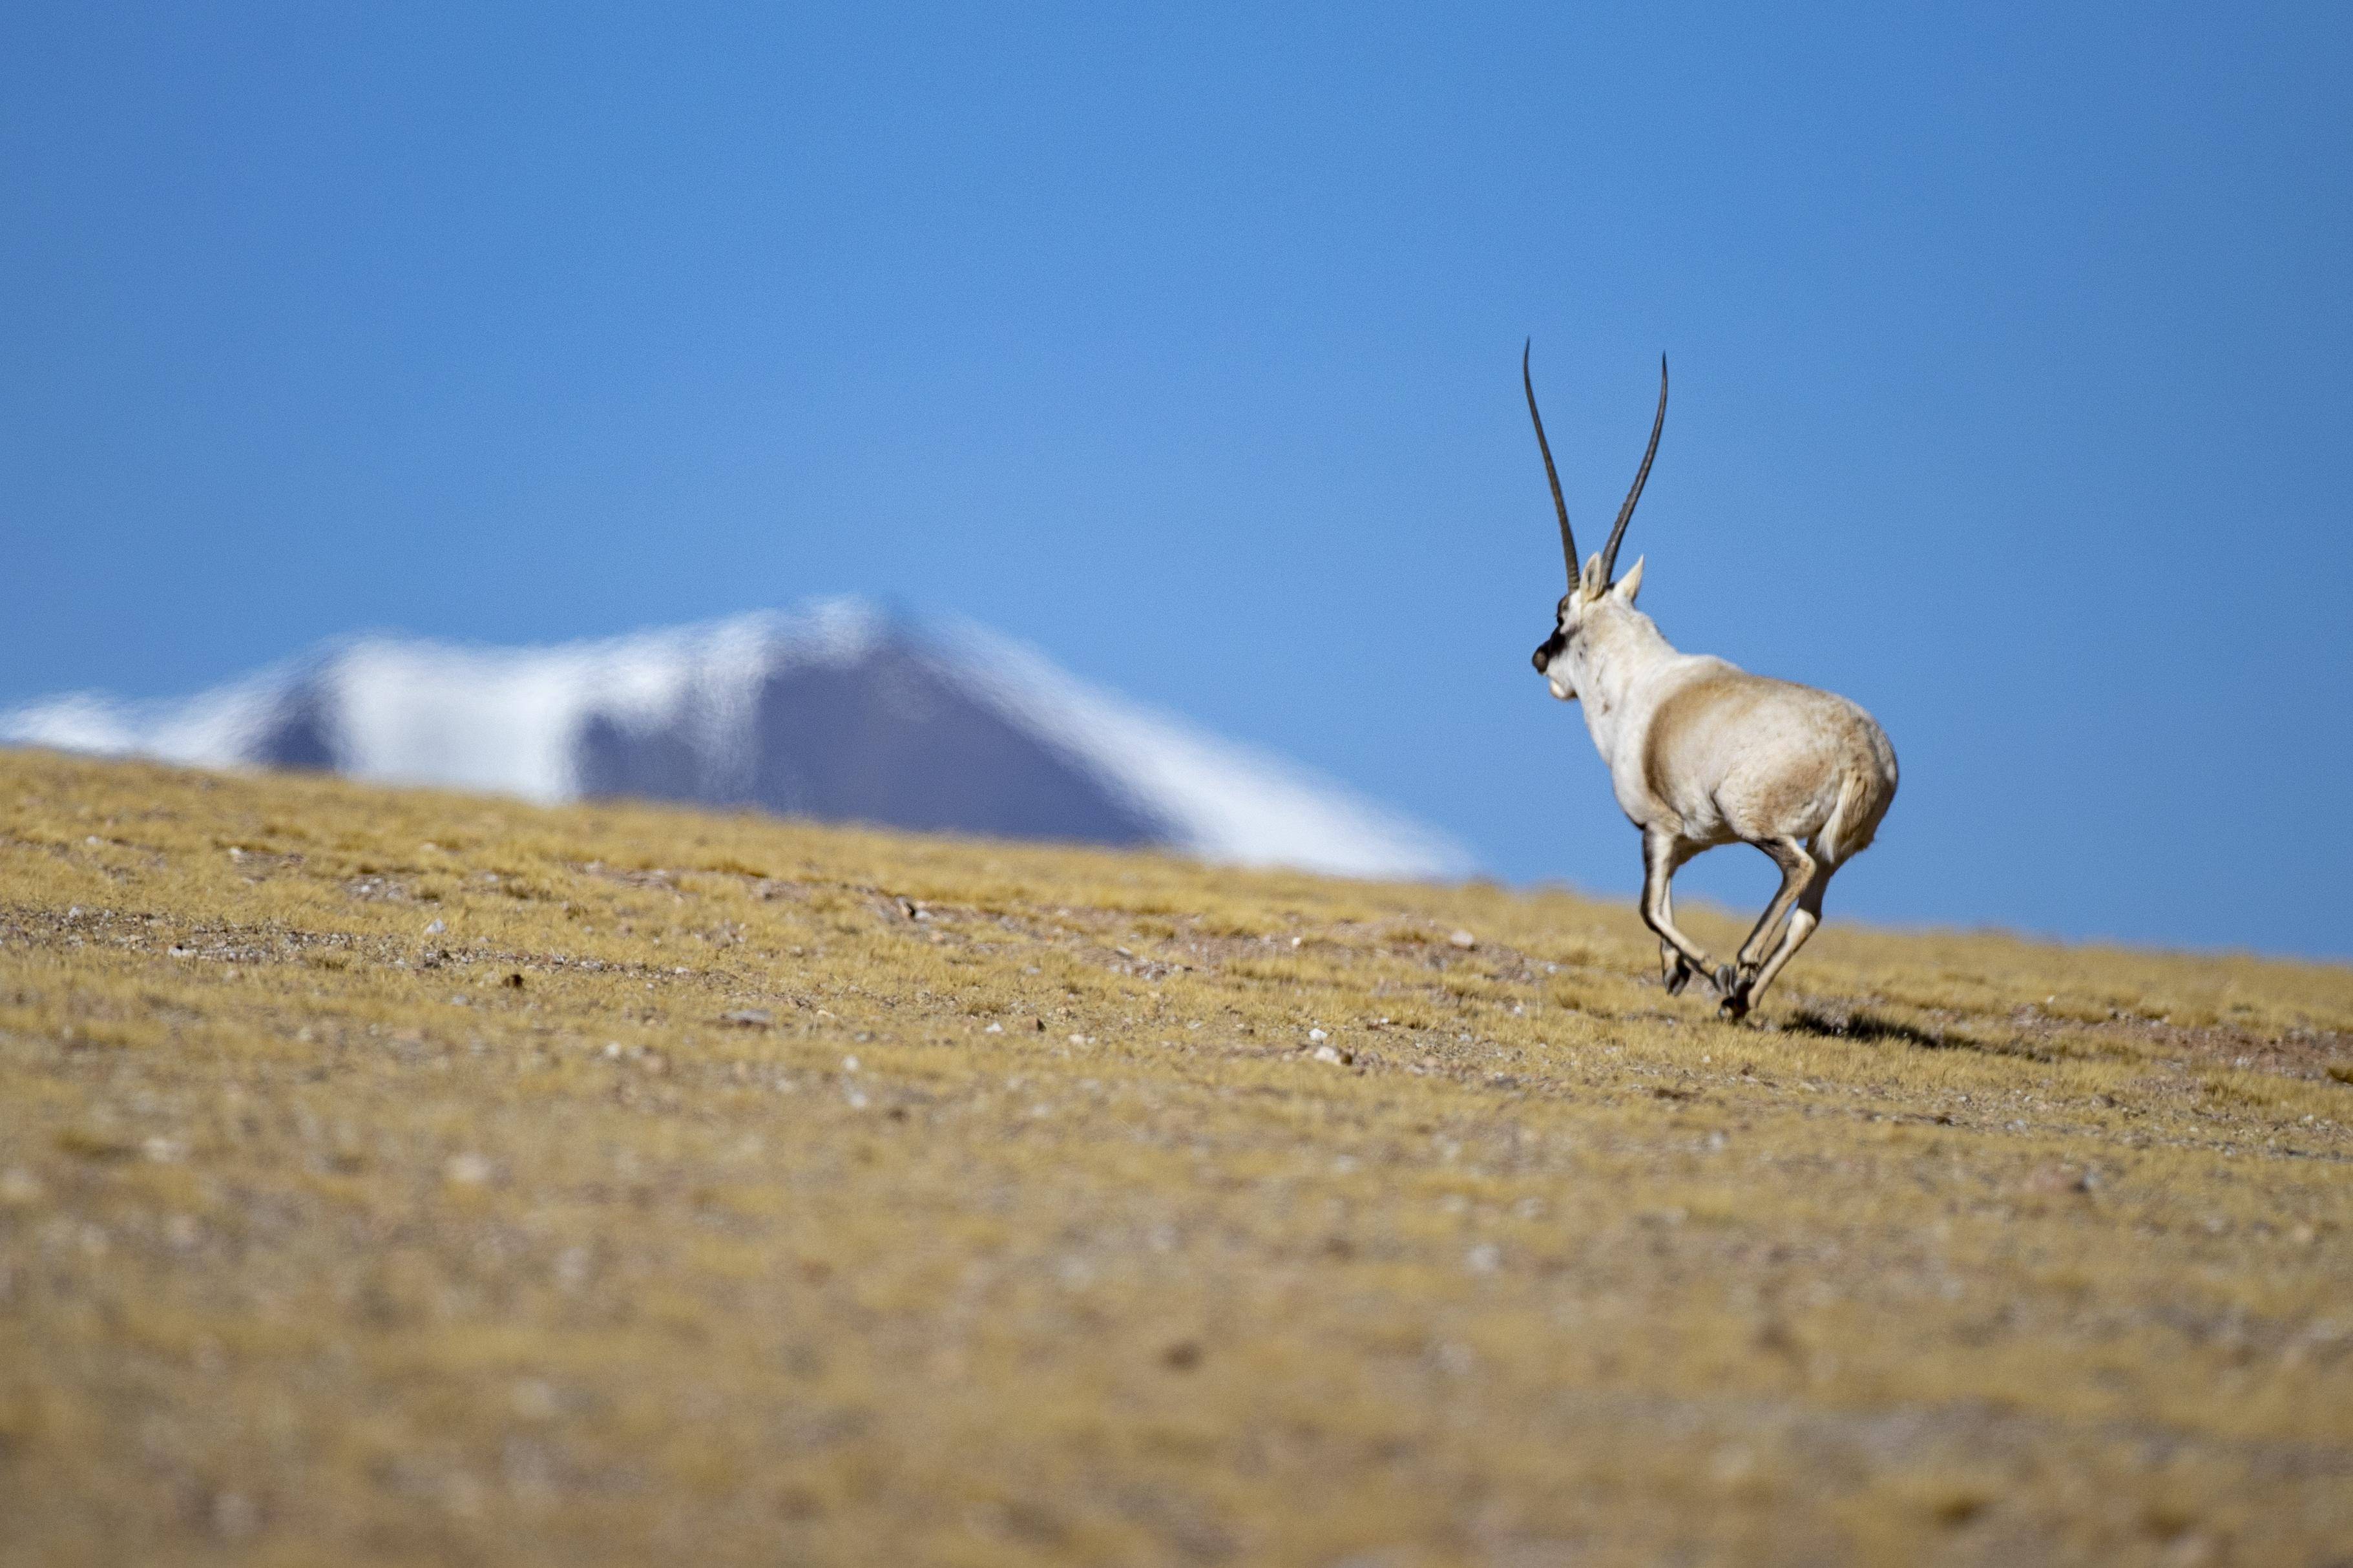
{"x": 1609, "y": 551}
{"x": 1567, "y": 534}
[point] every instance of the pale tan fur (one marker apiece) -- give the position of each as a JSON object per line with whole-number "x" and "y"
{"x": 1703, "y": 753}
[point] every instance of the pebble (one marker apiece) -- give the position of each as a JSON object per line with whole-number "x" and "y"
{"x": 994, "y": 1029}
{"x": 467, "y": 1169}
{"x": 234, "y": 1517}
{"x": 1464, "y": 940}
{"x": 748, "y": 1017}
{"x": 1336, "y": 1056}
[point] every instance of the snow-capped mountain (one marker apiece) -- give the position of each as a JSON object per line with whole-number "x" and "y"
{"x": 838, "y": 712}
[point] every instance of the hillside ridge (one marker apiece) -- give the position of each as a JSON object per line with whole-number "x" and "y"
{"x": 394, "y": 1176}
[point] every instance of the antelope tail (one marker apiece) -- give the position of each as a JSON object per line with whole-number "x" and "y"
{"x": 1854, "y": 820}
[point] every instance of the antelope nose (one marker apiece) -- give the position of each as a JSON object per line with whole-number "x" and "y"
{"x": 1544, "y": 655}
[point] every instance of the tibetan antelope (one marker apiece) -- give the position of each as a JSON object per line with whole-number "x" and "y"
{"x": 1701, "y": 754}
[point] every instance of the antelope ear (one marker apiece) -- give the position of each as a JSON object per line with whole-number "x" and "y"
{"x": 1592, "y": 583}
{"x": 1631, "y": 583}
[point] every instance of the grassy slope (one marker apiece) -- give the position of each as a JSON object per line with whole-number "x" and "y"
{"x": 325, "y": 1235}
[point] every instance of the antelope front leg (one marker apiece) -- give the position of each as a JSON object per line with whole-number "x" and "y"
{"x": 1675, "y": 969}
{"x": 1661, "y": 853}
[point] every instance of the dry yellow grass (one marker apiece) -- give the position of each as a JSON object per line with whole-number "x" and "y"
{"x": 382, "y": 1179}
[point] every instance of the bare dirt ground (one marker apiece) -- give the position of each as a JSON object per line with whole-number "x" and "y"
{"x": 403, "y": 1177}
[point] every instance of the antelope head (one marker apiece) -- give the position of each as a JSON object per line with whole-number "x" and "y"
{"x": 1595, "y": 583}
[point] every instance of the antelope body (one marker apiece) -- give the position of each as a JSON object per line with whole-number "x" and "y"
{"x": 1701, "y": 753}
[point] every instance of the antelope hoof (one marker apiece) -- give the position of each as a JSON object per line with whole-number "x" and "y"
{"x": 1678, "y": 976}
{"x": 1735, "y": 1007}
{"x": 1728, "y": 985}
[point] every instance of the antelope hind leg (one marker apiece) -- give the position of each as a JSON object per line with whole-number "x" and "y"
{"x": 1798, "y": 872}
{"x": 1802, "y": 921}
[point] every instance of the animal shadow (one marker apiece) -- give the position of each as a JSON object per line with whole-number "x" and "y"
{"x": 1870, "y": 1029}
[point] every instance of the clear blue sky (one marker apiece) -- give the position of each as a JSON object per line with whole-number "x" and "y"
{"x": 2011, "y": 352}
